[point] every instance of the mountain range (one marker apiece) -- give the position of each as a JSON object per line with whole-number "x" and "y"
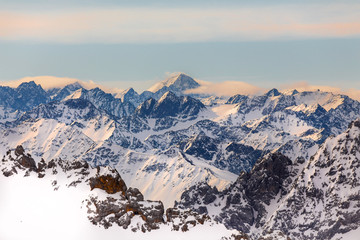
{"x": 276, "y": 165}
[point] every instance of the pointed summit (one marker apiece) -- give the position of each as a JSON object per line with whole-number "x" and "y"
{"x": 27, "y": 85}
{"x": 294, "y": 92}
{"x": 273, "y": 93}
{"x": 316, "y": 109}
{"x": 177, "y": 82}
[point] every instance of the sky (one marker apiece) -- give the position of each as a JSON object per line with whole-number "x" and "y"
{"x": 123, "y": 44}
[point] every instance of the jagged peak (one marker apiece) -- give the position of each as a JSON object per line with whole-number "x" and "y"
{"x": 316, "y": 108}
{"x": 129, "y": 90}
{"x": 168, "y": 96}
{"x": 29, "y": 85}
{"x": 294, "y": 92}
{"x": 273, "y": 93}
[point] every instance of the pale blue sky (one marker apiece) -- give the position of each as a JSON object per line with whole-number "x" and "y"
{"x": 135, "y": 43}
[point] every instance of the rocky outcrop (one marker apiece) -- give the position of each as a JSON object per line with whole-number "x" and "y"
{"x": 324, "y": 200}
{"x": 25, "y": 160}
{"x": 121, "y": 211}
{"x": 105, "y": 211}
{"x": 184, "y": 220}
{"x": 109, "y": 180}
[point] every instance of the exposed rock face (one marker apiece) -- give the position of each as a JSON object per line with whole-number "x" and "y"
{"x": 25, "y": 160}
{"x": 110, "y": 181}
{"x": 120, "y": 211}
{"x": 325, "y": 197}
{"x": 266, "y": 178}
{"x": 133, "y": 194}
{"x": 146, "y": 107}
{"x": 243, "y": 204}
{"x": 200, "y": 145}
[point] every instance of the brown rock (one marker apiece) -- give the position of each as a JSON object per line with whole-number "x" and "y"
{"x": 28, "y": 162}
{"x": 110, "y": 183}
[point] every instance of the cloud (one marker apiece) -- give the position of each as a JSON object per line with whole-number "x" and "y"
{"x": 305, "y": 86}
{"x": 48, "y": 82}
{"x": 139, "y": 25}
{"x": 226, "y": 88}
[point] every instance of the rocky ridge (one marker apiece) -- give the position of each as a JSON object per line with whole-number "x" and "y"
{"x": 317, "y": 199}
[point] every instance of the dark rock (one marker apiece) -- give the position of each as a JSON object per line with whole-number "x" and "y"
{"x": 19, "y": 150}
{"x": 133, "y": 194}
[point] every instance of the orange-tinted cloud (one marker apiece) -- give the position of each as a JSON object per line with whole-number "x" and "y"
{"x": 120, "y": 25}
{"x": 226, "y": 88}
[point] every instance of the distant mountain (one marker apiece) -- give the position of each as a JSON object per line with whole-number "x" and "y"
{"x": 13, "y": 101}
{"x": 178, "y": 83}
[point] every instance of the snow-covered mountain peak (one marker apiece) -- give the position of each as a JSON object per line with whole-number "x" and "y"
{"x": 129, "y": 91}
{"x": 177, "y": 82}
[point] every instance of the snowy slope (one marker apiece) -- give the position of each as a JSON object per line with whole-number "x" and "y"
{"x": 159, "y": 176}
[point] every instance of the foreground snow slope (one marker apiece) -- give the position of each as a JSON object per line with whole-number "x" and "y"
{"x": 55, "y": 201}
